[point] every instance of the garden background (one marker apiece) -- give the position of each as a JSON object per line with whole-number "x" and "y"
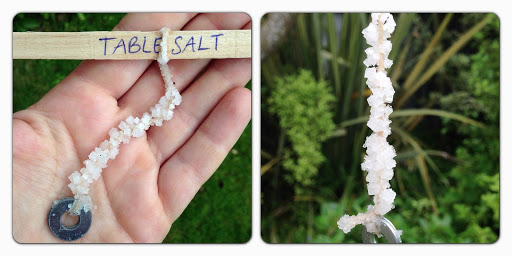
{"x": 445, "y": 126}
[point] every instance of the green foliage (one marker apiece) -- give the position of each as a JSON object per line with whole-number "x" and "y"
{"x": 65, "y": 22}
{"x": 469, "y": 206}
{"x": 221, "y": 211}
{"x": 34, "y": 78}
{"x": 446, "y": 78}
{"x": 303, "y": 106}
{"x": 476, "y": 195}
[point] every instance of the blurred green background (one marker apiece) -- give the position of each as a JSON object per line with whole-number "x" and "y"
{"x": 445, "y": 126}
{"x": 221, "y": 210}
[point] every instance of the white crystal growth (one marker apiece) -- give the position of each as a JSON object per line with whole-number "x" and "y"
{"x": 131, "y": 127}
{"x": 162, "y": 56}
{"x": 378, "y": 162}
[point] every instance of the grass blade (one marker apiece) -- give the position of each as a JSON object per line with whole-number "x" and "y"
{"x": 333, "y": 45}
{"x": 443, "y": 59}
{"x": 426, "y": 53}
{"x": 328, "y": 56}
{"x": 436, "y": 112}
{"x": 355, "y": 52}
{"x": 426, "y": 181}
{"x": 396, "y": 69}
{"x": 420, "y": 159}
{"x": 304, "y": 38}
{"x": 403, "y": 26}
{"x": 417, "y": 112}
{"x": 317, "y": 28}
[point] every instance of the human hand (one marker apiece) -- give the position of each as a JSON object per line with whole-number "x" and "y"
{"x": 154, "y": 177}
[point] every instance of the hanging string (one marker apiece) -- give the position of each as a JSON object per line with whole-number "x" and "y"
{"x": 378, "y": 162}
{"x": 131, "y": 127}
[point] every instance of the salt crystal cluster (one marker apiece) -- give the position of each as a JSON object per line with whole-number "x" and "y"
{"x": 378, "y": 162}
{"x": 131, "y": 127}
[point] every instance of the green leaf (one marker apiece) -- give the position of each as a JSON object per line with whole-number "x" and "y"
{"x": 442, "y": 60}
{"x": 417, "y": 112}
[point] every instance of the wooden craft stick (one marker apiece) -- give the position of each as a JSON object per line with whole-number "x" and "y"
{"x": 121, "y": 45}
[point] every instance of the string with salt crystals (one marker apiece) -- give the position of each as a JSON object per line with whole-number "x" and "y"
{"x": 378, "y": 162}
{"x": 81, "y": 180}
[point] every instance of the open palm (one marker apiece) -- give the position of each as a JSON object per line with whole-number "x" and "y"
{"x": 152, "y": 180}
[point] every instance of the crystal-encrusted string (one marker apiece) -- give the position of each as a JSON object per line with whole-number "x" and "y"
{"x": 131, "y": 127}
{"x": 378, "y": 162}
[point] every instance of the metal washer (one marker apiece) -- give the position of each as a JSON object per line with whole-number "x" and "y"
{"x": 386, "y": 228}
{"x": 68, "y": 233}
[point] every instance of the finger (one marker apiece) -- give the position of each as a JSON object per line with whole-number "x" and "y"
{"x": 185, "y": 172}
{"x": 146, "y": 92}
{"x": 115, "y": 77}
{"x": 199, "y": 99}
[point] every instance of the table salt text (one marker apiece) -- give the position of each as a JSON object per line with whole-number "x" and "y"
{"x": 179, "y": 45}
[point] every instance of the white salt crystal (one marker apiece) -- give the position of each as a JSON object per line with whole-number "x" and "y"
{"x": 375, "y": 17}
{"x": 75, "y": 178}
{"x": 388, "y": 196}
{"x": 374, "y": 101}
{"x": 388, "y": 63}
{"x": 168, "y": 115}
{"x": 85, "y": 176}
{"x": 175, "y": 92}
{"x": 156, "y": 111}
{"x": 114, "y": 133}
{"x": 370, "y": 72}
{"x": 92, "y": 156}
{"x": 390, "y": 24}
{"x": 387, "y": 174}
{"x": 164, "y": 102}
{"x": 113, "y": 153}
{"x": 130, "y": 120}
{"x": 177, "y": 99}
{"x": 372, "y": 177}
{"x": 370, "y": 33}
{"x": 372, "y": 58}
{"x": 123, "y": 126}
{"x": 127, "y": 132}
{"x": 104, "y": 145}
{"x": 146, "y": 118}
{"x": 386, "y": 47}
{"x": 162, "y": 57}
{"x": 373, "y": 188}
{"x": 371, "y": 227}
{"x": 102, "y": 158}
{"x": 126, "y": 139}
{"x": 113, "y": 142}
{"x": 138, "y": 132}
